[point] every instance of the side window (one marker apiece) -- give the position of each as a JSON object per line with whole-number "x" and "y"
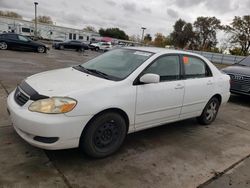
{"x": 168, "y": 67}
{"x": 195, "y": 68}
{"x": 22, "y": 38}
{"x": 10, "y": 36}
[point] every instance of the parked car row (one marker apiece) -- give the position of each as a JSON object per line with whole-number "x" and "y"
{"x": 81, "y": 46}
{"x": 20, "y": 42}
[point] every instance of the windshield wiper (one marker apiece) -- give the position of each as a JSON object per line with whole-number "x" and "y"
{"x": 82, "y": 68}
{"x": 94, "y": 72}
{"x": 104, "y": 75}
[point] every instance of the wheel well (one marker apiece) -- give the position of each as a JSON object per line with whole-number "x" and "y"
{"x": 117, "y": 110}
{"x": 218, "y": 96}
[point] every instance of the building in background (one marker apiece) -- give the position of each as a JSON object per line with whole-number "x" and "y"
{"x": 45, "y": 31}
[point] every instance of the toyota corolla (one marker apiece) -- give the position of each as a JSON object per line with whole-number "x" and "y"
{"x": 94, "y": 105}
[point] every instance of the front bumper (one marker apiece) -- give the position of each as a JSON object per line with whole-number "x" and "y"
{"x": 32, "y": 124}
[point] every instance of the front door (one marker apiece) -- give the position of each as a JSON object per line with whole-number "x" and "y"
{"x": 158, "y": 103}
{"x": 24, "y": 43}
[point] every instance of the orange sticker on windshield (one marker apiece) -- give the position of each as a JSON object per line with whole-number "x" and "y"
{"x": 185, "y": 60}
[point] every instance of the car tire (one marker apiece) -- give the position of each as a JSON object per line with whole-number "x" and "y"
{"x": 61, "y": 47}
{"x": 97, "y": 49}
{"x": 3, "y": 46}
{"x": 41, "y": 49}
{"x": 103, "y": 135}
{"x": 82, "y": 49}
{"x": 210, "y": 112}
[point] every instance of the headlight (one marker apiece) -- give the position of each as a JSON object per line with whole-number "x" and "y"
{"x": 53, "y": 105}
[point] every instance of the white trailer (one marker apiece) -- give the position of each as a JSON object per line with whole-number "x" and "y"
{"x": 44, "y": 31}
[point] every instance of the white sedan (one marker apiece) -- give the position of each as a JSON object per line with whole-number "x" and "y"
{"x": 94, "y": 105}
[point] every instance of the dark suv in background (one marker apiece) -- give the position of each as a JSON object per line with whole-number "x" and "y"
{"x": 240, "y": 77}
{"x": 20, "y": 42}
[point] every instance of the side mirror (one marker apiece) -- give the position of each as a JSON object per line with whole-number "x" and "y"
{"x": 150, "y": 78}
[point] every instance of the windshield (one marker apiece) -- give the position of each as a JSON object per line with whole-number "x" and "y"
{"x": 245, "y": 62}
{"x": 117, "y": 64}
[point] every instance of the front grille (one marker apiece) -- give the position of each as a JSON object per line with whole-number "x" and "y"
{"x": 20, "y": 97}
{"x": 240, "y": 82}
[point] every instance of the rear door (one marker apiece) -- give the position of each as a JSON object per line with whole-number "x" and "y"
{"x": 199, "y": 86}
{"x": 11, "y": 40}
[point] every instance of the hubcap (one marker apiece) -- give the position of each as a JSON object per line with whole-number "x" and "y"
{"x": 211, "y": 111}
{"x": 106, "y": 134}
{"x": 41, "y": 49}
{"x": 3, "y": 46}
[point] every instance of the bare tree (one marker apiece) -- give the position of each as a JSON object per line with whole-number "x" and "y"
{"x": 240, "y": 31}
{"x": 44, "y": 19}
{"x": 10, "y": 14}
{"x": 205, "y": 29}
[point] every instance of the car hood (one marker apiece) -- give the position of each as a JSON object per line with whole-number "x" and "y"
{"x": 236, "y": 69}
{"x": 65, "y": 82}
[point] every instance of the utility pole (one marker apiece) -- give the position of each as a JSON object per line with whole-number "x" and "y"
{"x": 35, "y": 34}
{"x": 143, "y": 28}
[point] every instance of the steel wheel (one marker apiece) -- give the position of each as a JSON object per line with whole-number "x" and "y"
{"x": 106, "y": 135}
{"x": 103, "y": 135}
{"x": 3, "y": 46}
{"x": 41, "y": 49}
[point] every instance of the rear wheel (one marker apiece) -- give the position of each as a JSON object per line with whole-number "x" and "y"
{"x": 41, "y": 49}
{"x": 104, "y": 135}
{"x": 210, "y": 112}
{"x": 97, "y": 48}
{"x": 61, "y": 47}
{"x": 81, "y": 49}
{"x": 3, "y": 46}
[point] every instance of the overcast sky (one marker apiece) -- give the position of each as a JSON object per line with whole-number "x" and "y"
{"x": 129, "y": 15}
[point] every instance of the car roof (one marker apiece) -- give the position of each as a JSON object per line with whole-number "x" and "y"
{"x": 8, "y": 33}
{"x": 161, "y": 50}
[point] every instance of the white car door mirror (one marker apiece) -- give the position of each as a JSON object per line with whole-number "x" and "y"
{"x": 150, "y": 78}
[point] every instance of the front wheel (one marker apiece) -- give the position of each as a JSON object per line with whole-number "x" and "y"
{"x": 104, "y": 135}
{"x": 41, "y": 49}
{"x": 3, "y": 46}
{"x": 81, "y": 49}
{"x": 210, "y": 112}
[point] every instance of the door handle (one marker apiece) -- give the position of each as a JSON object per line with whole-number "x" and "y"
{"x": 209, "y": 82}
{"x": 179, "y": 86}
